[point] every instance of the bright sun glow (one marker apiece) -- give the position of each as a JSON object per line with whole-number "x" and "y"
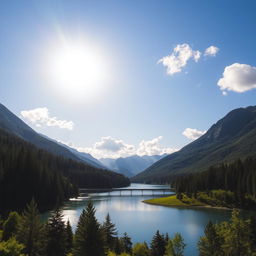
{"x": 78, "y": 70}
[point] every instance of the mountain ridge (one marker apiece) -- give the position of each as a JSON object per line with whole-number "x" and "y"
{"x": 11, "y": 123}
{"x": 131, "y": 165}
{"x": 231, "y": 137}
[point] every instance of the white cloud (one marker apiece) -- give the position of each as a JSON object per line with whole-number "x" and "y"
{"x": 193, "y": 134}
{"x": 41, "y": 117}
{"x": 153, "y": 147}
{"x": 211, "y": 51}
{"x": 238, "y": 78}
{"x": 179, "y": 58}
{"x": 109, "y": 147}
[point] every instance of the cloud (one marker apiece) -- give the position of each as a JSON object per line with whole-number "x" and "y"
{"x": 238, "y": 78}
{"x": 211, "y": 51}
{"x": 153, "y": 147}
{"x": 109, "y": 147}
{"x": 178, "y": 59}
{"x": 41, "y": 117}
{"x": 193, "y": 134}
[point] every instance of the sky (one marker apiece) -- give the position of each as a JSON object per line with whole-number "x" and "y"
{"x": 117, "y": 78}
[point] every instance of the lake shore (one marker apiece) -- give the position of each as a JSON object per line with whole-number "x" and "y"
{"x": 172, "y": 201}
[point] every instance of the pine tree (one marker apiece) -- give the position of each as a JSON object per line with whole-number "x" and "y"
{"x": 31, "y": 231}
{"x": 110, "y": 233}
{"x": 178, "y": 245}
{"x": 126, "y": 243}
{"x": 88, "y": 237}
{"x": 209, "y": 245}
{"x": 157, "y": 245}
{"x": 56, "y": 235}
{"x": 69, "y": 237}
{"x": 10, "y": 226}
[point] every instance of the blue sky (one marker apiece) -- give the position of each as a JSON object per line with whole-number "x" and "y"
{"x": 136, "y": 101}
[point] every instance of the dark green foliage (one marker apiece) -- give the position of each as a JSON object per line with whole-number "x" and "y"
{"x": 210, "y": 244}
{"x": 126, "y": 243}
{"x": 69, "y": 238}
{"x": 228, "y": 238}
{"x": 238, "y": 177}
{"x": 11, "y": 248}
{"x": 11, "y": 225}
{"x": 56, "y": 235}
{"x": 141, "y": 249}
{"x": 27, "y": 172}
{"x": 109, "y": 233}
{"x": 232, "y": 137}
{"x": 157, "y": 246}
{"x": 88, "y": 237}
{"x": 31, "y": 231}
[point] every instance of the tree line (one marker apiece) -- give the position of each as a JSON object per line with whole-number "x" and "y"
{"x": 26, "y": 235}
{"x": 238, "y": 177}
{"x": 28, "y": 172}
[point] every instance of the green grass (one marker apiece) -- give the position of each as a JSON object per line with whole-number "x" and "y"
{"x": 173, "y": 201}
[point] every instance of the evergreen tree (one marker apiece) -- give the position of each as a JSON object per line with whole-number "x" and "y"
{"x": 126, "y": 243}
{"x": 252, "y": 229}
{"x": 157, "y": 245}
{"x": 31, "y": 231}
{"x": 237, "y": 236}
{"x": 11, "y": 248}
{"x": 117, "y": 246}
{"x": 69, "y": 237}
{"x": 140, "y": 249}
{"x": 88, "y": 237}
{"x": 10, "y": 226}
{"x": 56, "y": 235}
{"x": 178, "y": 245}
{"x": 110, "y": 233}
{"x": 209, "y": 245}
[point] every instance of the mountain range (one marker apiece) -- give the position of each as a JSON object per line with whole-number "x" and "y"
{"x": 14, "y": 125}
{"x": 132, "y": 165}
{"x": 232, "y": 137}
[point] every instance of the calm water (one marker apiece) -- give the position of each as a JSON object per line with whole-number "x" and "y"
{"x": 141, "y": 220}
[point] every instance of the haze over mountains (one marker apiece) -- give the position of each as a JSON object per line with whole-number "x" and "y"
{"x": 13, "y": 124}
{"x": 232, "y": 137}
{"x": 132, "y": 165}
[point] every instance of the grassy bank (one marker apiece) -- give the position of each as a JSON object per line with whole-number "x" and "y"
{"x": 175, "y": 202}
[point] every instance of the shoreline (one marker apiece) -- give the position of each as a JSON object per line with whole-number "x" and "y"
{"x": 205, "y": 206}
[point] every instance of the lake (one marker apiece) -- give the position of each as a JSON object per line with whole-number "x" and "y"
{"x": 141, "y": 220}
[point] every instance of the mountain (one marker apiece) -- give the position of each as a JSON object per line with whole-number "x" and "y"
{"x": 14, "y": 125}
{"x": 28, "y": 172}
{"x": 232, "y": 137}
{"x": 132, "y": 165}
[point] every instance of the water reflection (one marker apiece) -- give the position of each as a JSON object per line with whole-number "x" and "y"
{"x": 141, "y": 220}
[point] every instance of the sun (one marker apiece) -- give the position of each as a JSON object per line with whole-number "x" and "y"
{"x": 78, "y": 70}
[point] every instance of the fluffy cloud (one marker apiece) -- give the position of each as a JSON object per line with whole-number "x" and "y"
{"x": 238, "y": 78}
{"x": 178, "y": 59}
{"x": 211, "y": 51}
{"x": 109, "y": 147}
{"x": 41, "y": 117}
{"x": 193, "y": 134}
{"x": 153, "y": 147}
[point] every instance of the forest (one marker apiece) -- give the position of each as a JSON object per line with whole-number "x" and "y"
{"x": 26, "y": 235}
{"x": 27, "y": 172}
{"x": 236, "y": 183}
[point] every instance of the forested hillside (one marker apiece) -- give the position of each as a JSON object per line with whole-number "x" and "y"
{"x": 238, "y": 177}
{"x": 232, "y": 137}
{"x": 27, "y": 172}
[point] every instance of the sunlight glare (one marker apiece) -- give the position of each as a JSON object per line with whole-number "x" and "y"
{"x": 78, "y": 70}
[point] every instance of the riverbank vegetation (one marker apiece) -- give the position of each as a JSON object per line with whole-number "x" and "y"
{"x": 230, "y": 185}
{"x": 183, "y": 201}
{"x": 26, "y": 235}
{"x": 28, "y": 172}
